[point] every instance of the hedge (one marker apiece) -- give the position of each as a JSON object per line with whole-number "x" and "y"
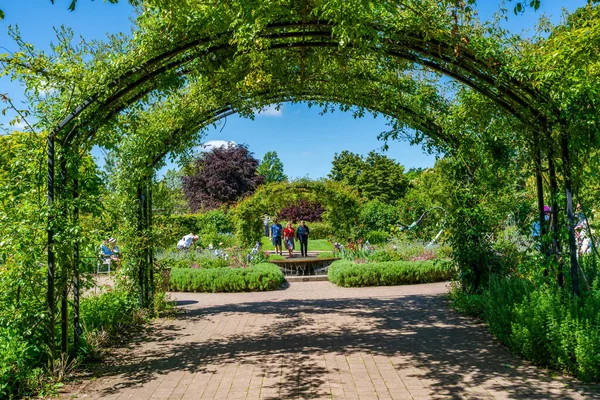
{"x": 348, "y": 274}
{"x": 260, "y": 277}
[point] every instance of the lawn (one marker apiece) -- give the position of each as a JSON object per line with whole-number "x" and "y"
{"x": 313, "y": 245}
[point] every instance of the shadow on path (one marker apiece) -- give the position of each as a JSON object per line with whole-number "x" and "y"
{"x": 307, "y": 347}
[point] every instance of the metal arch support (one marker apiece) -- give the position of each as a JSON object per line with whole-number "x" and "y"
{"x": 324, "y": 28}
{"x": 421, "y": 120}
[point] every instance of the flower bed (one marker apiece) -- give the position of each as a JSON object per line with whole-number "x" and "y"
{"x": 349, "y": 274}
{"x": 260, "y": 277}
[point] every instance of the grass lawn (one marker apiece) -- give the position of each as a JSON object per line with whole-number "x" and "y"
{"x": 313, "y": 245}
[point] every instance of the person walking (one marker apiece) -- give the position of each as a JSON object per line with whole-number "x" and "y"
{"x": 266, "y": 224}
{"x": 276, "y": 230}
{"x": 302, "y": 235}
{"x": 288, "y": 236}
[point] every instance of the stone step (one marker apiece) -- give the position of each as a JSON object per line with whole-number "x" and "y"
{"x": 306, "y": 278}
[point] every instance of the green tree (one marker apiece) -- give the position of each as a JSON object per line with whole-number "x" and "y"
{"x": 271, "y": 168}
{"x": 383, "y": 179}
{"x": 347, "y": 167}
{"x": 376, "y": 177}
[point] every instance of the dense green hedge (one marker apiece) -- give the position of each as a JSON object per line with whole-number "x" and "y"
{"x": 213, "y": 227}
{"x": 348, "y": 274}
{"x": 265, "y": 276}
{"x": 319, "y": 230}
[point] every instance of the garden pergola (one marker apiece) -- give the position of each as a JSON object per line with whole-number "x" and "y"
{"x": 189, "y": 65}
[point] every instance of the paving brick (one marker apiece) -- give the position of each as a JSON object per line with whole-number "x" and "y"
{"x": 316, "y": 340}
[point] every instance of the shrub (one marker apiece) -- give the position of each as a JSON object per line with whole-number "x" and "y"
{"x": 348, "y": 274}
{"x": 16, "y": 358}
{"x": 190, "y": 259}
{"x": 259, "y": 277}
{"x": 377, "y": 237}
{"x": 543, "y": 324}
{"x": 115, "y": 312}
{"x": 320, "y": 230}
{"x": 378, "y": 216}
{"x": 214, "y": 227}
{"x": 408, "y": 251}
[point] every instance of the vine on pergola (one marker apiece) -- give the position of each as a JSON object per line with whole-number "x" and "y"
{"x": 189, "y": 64}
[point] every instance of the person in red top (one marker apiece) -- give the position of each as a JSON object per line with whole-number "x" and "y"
{"x": 288, "y": 237}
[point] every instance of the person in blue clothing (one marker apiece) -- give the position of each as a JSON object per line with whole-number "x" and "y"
{"x": 302, "y": 235}
{"x": 109, "y": 250}
{"x": 276, "y": 230}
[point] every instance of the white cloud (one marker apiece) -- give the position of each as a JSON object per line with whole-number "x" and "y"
{"x": 271, "y": 111}
{"x": 213, "y": 144}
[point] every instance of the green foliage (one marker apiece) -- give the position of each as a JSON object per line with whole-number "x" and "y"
{"x": 349, "y": 274}
{"x": 259, "y": 277}
{"x": 16, "y": 359}
{"x": 313, "y": 244}
{"x": 347, "y": 167}
{"x": 115, "y": 312}
{"x": 319, "y": 230}
{"x": 408, "y": 251}
{"x": 214, "y": 227}
{"x": 167, "y": 194}
{"x": 375, "y": 177}
{"x": 543, "y": 324}
{"x": 541, "y": 98}
{"x": 341, "y": 208}
{"x": 271, "y": 168}
{"x": 427, "y": 189}
{"x": 377, "y": 215}
{"x": 377, "y": 237}
{"x": 190, "y": 259}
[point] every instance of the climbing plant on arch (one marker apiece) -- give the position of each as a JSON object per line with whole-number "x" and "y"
{"x": 341, "y": 206}
{"x": 187, "y": 65}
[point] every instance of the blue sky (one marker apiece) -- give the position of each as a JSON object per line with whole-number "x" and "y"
{"x": 305, "y": 140}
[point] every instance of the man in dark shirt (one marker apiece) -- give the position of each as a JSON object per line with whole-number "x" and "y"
{"x": 302, "y": 234}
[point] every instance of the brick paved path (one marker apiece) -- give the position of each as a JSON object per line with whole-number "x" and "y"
{"x": 315, "y": 340}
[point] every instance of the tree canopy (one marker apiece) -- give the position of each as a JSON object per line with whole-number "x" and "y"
{"x": 375, "y": 177}
{"x": 271, "y": 168}
{"x": 220, "y": 177}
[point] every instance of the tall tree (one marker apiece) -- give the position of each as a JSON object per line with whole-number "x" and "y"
{"x": 347, "y": 167}
{"x": 383, "y": 179}
{"x": 376, "y": 177}
{"x": 271, "y": 168}
{"x": 220, "y": 177}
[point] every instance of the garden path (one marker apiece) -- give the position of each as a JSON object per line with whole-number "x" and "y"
{"x": 316, "y": 340}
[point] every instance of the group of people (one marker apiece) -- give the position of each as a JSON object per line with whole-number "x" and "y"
{"x": 286, "y": 236}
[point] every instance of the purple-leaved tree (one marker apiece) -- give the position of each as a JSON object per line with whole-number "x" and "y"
{"x": 221, "y": 177}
